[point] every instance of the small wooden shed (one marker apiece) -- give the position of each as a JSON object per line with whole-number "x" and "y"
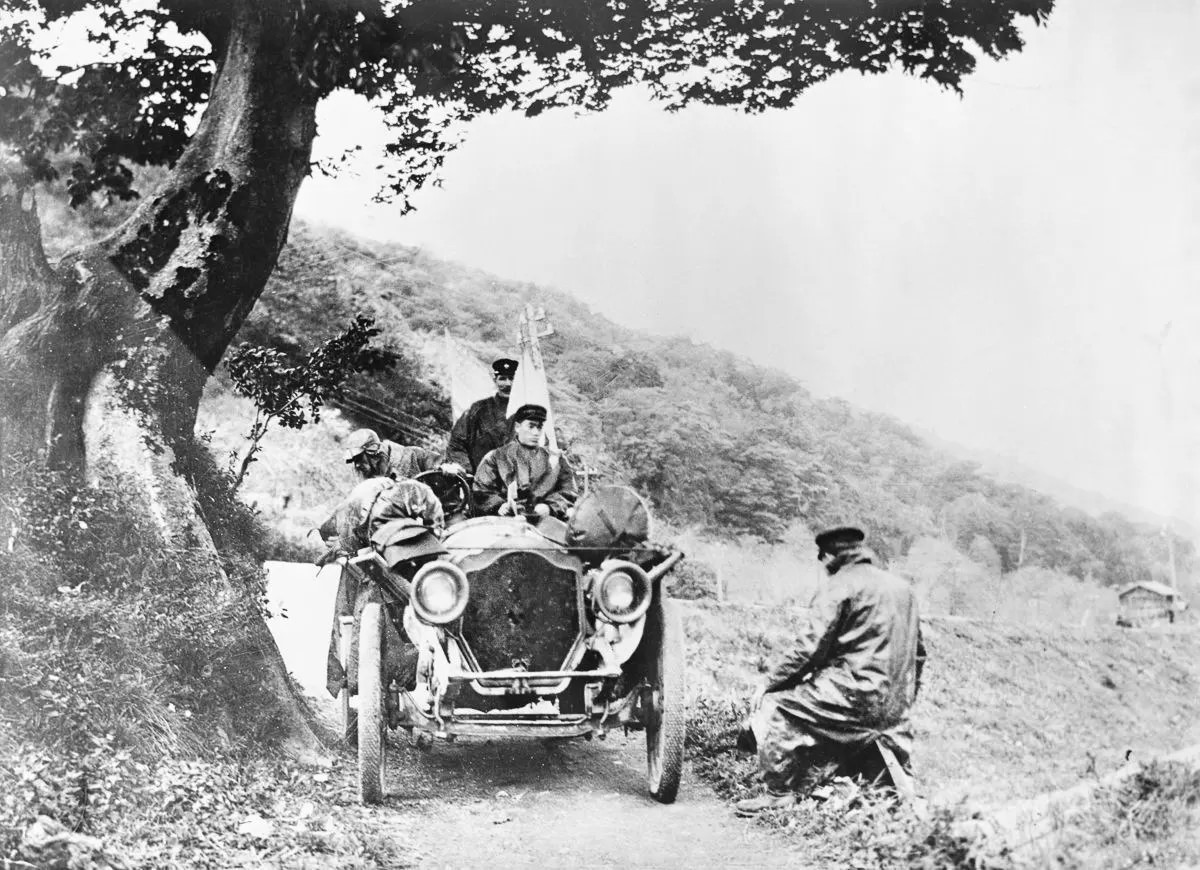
{"x": 1148, "y": 602}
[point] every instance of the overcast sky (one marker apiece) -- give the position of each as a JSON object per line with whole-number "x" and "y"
{"x": 1013, "y": 270}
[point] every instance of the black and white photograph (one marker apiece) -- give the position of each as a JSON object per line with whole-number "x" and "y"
{"x": 455, "y": 434}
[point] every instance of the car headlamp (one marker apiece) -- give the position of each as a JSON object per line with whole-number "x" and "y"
{"x": 622, "y": 592}
{"x": 440, "y": 592}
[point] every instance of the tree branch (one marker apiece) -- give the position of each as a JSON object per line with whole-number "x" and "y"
{"x": 212, "y": 19}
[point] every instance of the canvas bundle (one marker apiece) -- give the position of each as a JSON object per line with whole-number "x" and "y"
{"x": 609, "y": 521}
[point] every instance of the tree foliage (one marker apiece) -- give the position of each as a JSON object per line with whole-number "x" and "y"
{"x": 293, "y": 393}
{"x": 599, "y": 373}
{"x": 225, "y": 94}
{"x": 430, "y": 65}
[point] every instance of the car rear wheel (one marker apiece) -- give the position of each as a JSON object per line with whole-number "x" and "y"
{"x": 665, "y": 732}
{"x": 371, "y": 754}
{"x": 349, "y": 714}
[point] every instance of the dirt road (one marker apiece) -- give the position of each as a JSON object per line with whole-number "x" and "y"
{"x": 525, "y": 803}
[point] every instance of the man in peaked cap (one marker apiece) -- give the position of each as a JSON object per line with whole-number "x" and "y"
{"x": 841, "y": 539}
{"x": 484, "y": 426}
{"x": 522, "y": 476}
{"x": 376, "y": 457}
{"x": 838, "y": 701}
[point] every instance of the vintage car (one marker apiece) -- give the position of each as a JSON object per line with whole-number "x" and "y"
{"x": 522, "y": 627}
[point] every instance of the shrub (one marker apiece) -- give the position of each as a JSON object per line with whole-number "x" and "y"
{"x": 1155, "y": 801}
{"x": 84, "y": 789}
{"x": 236, "y": 528}
{"x": 694, "y": 580}
{"x": 1146, "y": 819}
{"x": 88, "y": 533}
{"x": 748, "y": 570}
{"x": 114, "y": 653}
{"x": 293, "y": 392}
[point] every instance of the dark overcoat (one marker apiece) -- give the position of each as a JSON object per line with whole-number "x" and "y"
{"x": 550, "y": 480}
{"x": 852, "y": 673}
{"x": 482, "y": 428}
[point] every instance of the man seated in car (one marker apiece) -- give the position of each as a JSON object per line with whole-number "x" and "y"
{"x": 523, "y": 478}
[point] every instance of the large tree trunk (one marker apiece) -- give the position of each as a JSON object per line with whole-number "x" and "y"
{"x": 103, "y": 358}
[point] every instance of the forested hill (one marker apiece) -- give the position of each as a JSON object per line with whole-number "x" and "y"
{"x": 712, "y": 439}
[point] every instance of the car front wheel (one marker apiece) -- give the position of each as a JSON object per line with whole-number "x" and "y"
{"x": 667, "y": 727}
{"x": 371, "y": 752}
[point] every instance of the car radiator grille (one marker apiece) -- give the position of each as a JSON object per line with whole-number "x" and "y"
{"x": 522, "y": 613}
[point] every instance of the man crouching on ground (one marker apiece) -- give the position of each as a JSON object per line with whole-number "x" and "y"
{"x": 839, "y": 700}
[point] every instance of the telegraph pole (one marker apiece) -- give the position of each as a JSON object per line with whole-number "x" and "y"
{"x": 534, "y": 326}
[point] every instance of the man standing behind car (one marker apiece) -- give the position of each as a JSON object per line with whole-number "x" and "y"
{"x": 484, "y": 426}
{"x": 839, "y": 699}
{"x": 522, "y": 477}
{"x": 373, "y": 457}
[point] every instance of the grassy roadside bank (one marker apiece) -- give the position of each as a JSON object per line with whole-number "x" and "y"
{"x": 1006, "y": 712}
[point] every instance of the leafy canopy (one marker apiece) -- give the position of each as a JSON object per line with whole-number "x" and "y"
{"x": 430, "y": 65}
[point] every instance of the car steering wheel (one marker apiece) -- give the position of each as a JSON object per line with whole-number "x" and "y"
{"x": 452, "y": 490}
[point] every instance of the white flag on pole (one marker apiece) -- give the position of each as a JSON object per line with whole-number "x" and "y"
{"x": 469, "y": 380}
{"x": 529, "y": 384}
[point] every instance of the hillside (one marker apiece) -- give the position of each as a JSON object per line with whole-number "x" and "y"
{"x": 117, "y": 665}
{"x": 735, "y": 451}
{"x": 714, "y": 441}
{"x": 1006, "y": 469}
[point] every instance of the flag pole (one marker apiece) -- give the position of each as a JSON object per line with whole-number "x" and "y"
{"x": 530, "y": 385}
